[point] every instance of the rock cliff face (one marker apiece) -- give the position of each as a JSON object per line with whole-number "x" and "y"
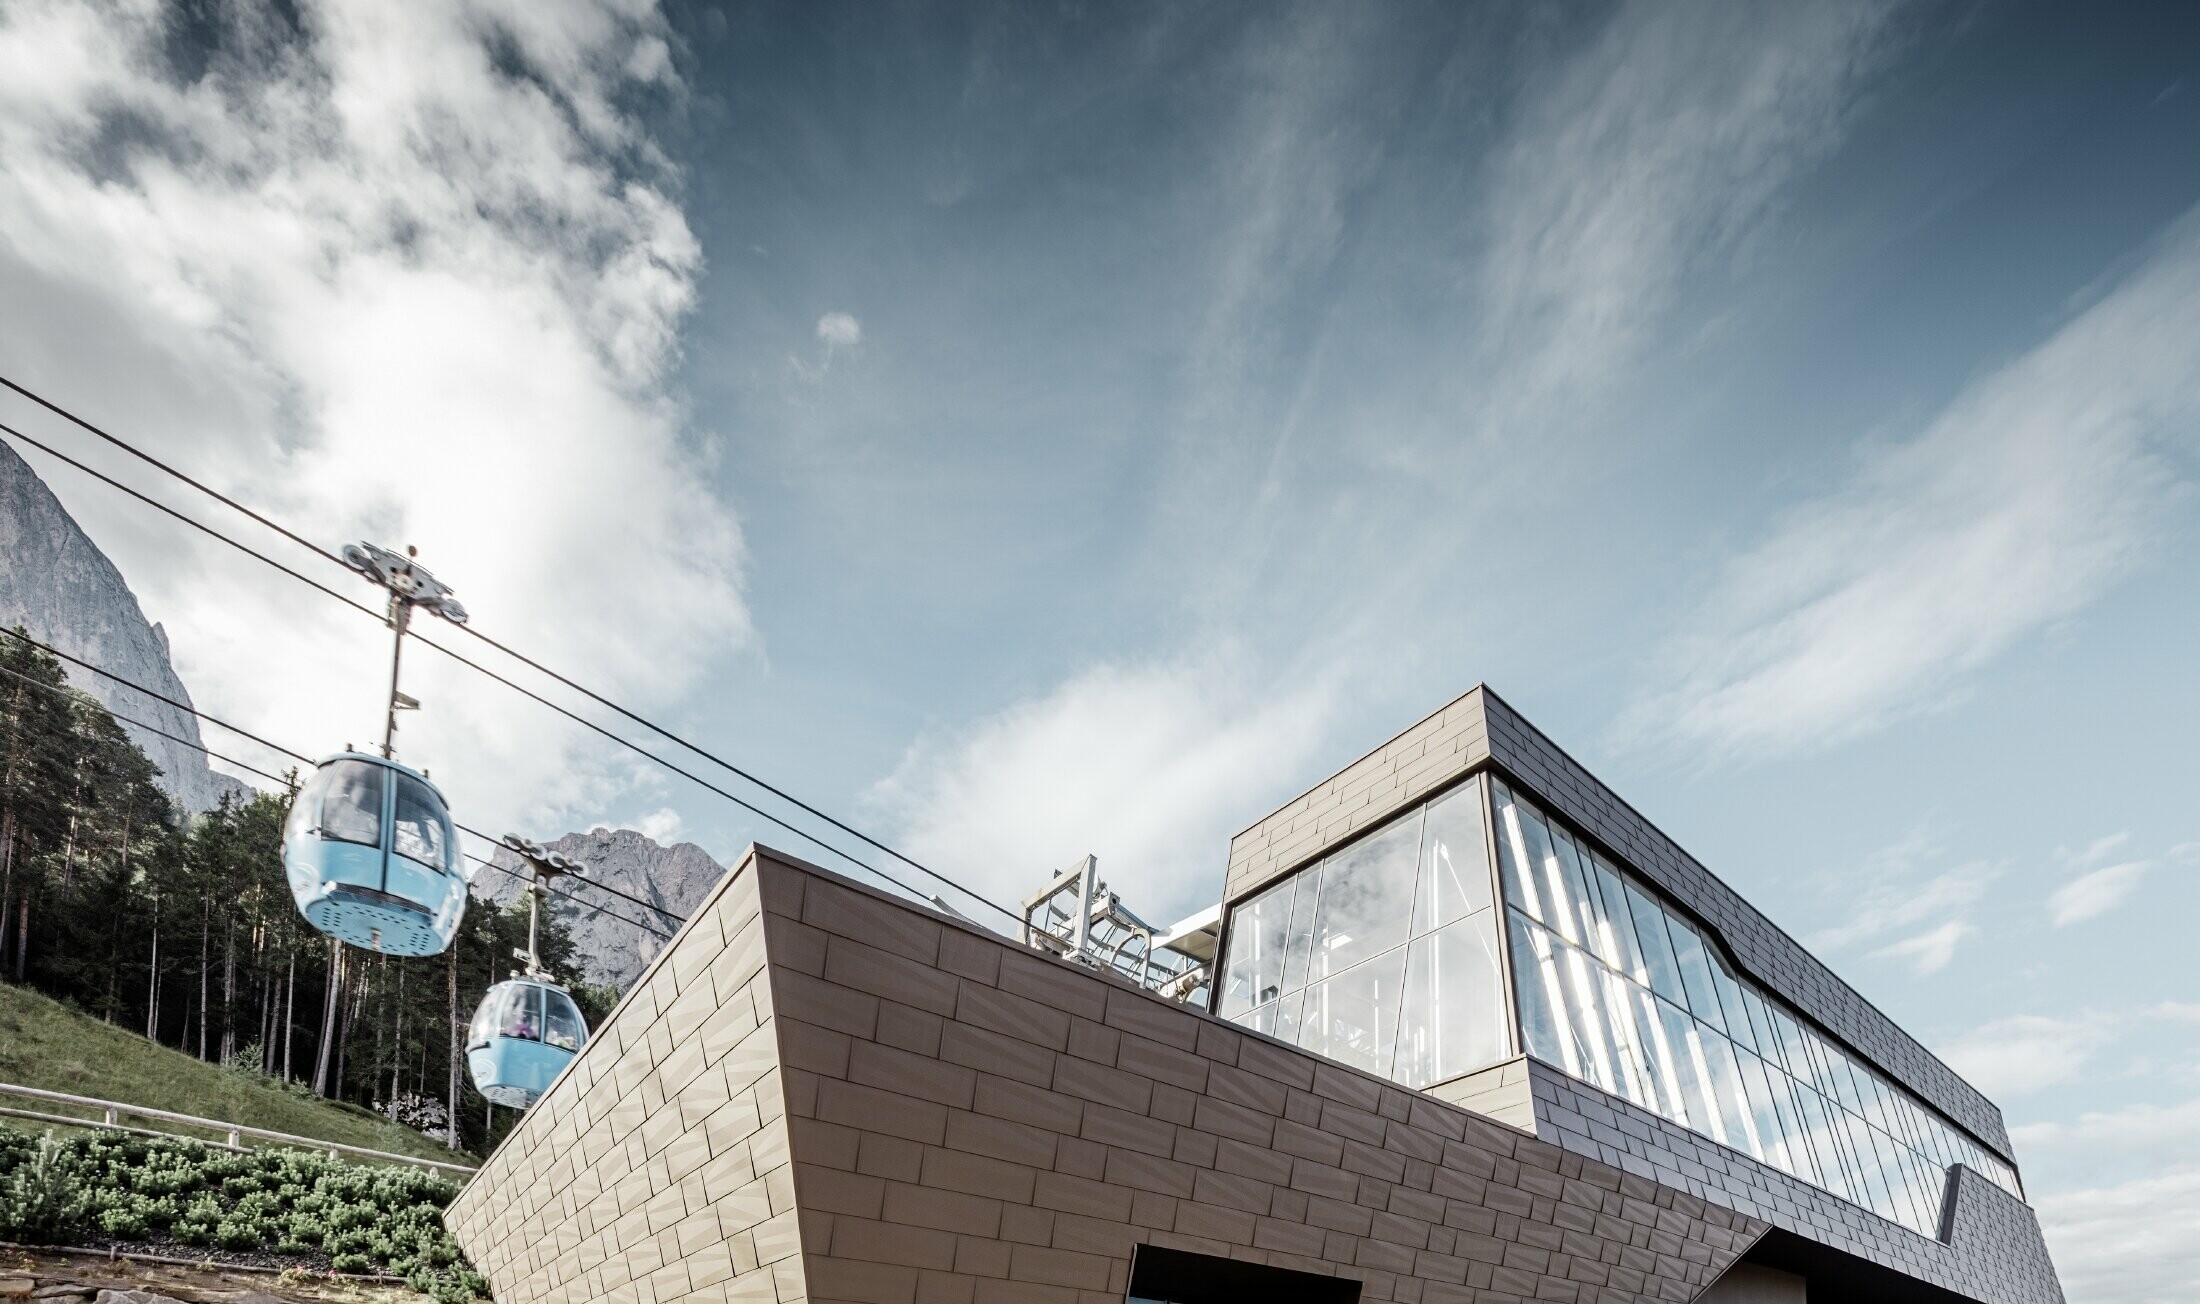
{"x": 675, "y": 878}
{"x": 62, "y": 590}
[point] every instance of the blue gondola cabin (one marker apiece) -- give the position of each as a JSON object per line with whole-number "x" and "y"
{"x": 372, "y": 857}
{"x": 523, "y": 1035}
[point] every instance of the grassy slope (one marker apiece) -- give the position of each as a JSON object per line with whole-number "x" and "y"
{"x": 44, "y": 1044}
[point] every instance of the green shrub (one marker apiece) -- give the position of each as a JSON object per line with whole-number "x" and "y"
{"x": 295, "y": 1202}
{"x": 43, "y": 1197}
{"x": 237, "y": 1234}
{"x": 123, "y": 1224}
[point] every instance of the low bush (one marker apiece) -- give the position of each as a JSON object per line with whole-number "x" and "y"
{"x": 58, "y": 1190}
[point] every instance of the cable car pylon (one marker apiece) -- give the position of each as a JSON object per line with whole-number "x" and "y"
{"x": 527, "y": 1028}
{"x": 370, "y": 850}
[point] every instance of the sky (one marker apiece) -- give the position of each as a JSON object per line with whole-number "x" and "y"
{"x": 1030, "y": 430}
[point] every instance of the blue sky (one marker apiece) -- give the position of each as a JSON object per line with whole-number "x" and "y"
{"x": 1037, "y": 430}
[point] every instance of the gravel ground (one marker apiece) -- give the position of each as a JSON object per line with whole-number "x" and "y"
{"x": 57, "y": 1278}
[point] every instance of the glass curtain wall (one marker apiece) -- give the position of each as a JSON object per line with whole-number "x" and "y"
{"x": 1619, "y": 991}
{"x": 1383, "y": 955}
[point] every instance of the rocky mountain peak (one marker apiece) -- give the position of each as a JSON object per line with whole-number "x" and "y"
{"x": 675, "y": 878}
{"x": 58, "y": 585}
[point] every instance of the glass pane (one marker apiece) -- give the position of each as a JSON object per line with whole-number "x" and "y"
{"x": 1657, "y": 948}
{"x": 1931, "y": 1182}
{"x": 1730, "y": 1000}
{"x": 1278, "y": 1019}
{"x": 485, "y": 1020}
{"x": 1791, "y": 1044}
{"x": 1536, "y": 988}
{"x": 1455, "y": 870}
{"x": 1570, "y": 884}
{"x": 1543, "y": 867}
{"x": 562, "y": 1025}
{"x": 1895, "y": 1162}
{"x": 1353, "y": 1017}
{"x": 352, "y": 809}
{"x": 1585, "y": 1016}
{"x": 1253, "y": 972}
{"x": 1772, "y": 1131}
{"x": 1298, "y": 945}
{"x": 423, "y": 831}
{"x": 1703, "y": 998}
{"x": 1636, "y": 1078}
{"x": 1831, "y": 1171}
{"x": 1760, "y": 1024}
{"x": 1616, "y": 938}
{"x": 1867, "y": 1161}
{"x": 1367, "y": 898}
{"x": 1512, "y": 854}
{"x": 1454, "y": 1017}
{"x": 1664, "y": 1071}
{"x": 1726, "y": 1090}
{"x": 305, "y": 804}
{"x": 522, "y": 1015}
{"x": 1786, "y": 1098}
{"x": 1843, "y": 1074}
{"x": 1878, "y": 1104}
{"x": 1689, "y": 1067}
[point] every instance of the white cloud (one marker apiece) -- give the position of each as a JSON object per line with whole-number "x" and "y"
{"x": 1893, "y": 893}
{"x": 2037, "y": 488}
{"x": 1929, "y": 952}
{"x": 839, "y": 330}
{"x": 2127, "y": 1244}
{"x": 2133, "y": 1127}
{"x": 1151, "y": 768}
{"x": 2012, "y": 1056}
{"x": 837, "y": 333}
{"x": 1661, "y": 146}
{"x": 2096, "y": 893}
{"x": 662, "y": 825}
{"x": 407, "y": 273}
{"x": 2096, "y": 851}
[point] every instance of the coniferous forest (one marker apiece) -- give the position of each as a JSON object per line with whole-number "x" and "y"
{"x": 181, "y": 927}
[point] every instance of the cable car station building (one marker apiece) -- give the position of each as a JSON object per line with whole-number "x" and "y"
{"x": 1479, "y": 1033}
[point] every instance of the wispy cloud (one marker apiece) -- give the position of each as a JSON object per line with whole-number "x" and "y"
{"x": 2100, "y": 887}
{"x": 661, "y": 825}
{"x": 1658, "y": 149}
{"x": 2026, "y": 1053}
{"x": 2034, "y": 491}
{"x": 1898, "y": 896}
{"x": 837, "y": 333}
{"x": 1151, "y": 768}
{"x": 410, "y": 273}
{"x": 2131, "y": 1127}
{"x": 1931, "y": 951}
{"x": 2096, "y": 893}
{"x": 2130, "y": 1242}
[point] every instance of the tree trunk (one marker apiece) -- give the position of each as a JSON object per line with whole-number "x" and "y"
{"x": 328, "y": 1018}
{"x": 152, "y": 979}
{"x": 7, "y": 876}
{"x": 22, "y": 930}
{"x": 348, "y": 1015}
{"x": 397, "y": 1043}
{"x": 229, "y": 992}
{"x": 456, "y": 1037}
{"x": 290, "y": 998}
{"x": 7, "y": 871}
{"x": 205, "y": 962}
